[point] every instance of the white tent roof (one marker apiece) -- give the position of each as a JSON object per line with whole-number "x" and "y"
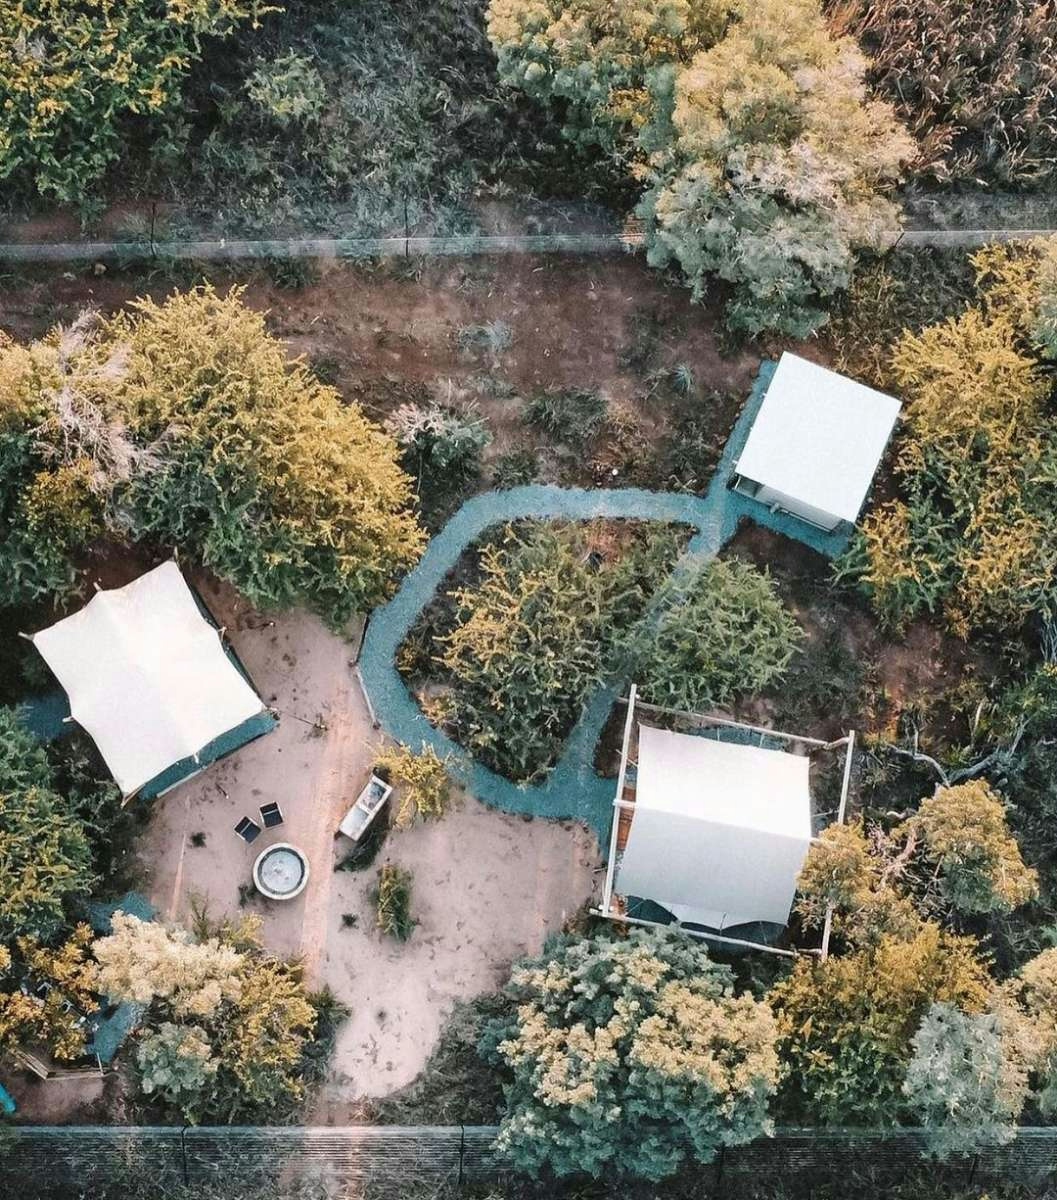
{"x": 818, "y": 437}
{"x": 147, "y": 675}
{"x": 719, "y": 831}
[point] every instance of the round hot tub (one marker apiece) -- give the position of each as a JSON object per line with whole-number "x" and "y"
{"x": 280, "y": 872}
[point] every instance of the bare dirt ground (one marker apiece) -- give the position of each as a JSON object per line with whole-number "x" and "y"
{"x": 487, "y": 887}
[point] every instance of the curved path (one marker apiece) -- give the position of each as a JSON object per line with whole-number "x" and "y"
{"x": 571, "y": 789}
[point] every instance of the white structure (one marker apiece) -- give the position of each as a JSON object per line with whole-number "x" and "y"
{"x": 280, "y": 872}
{"x": 147, "y": 676}
{"x": 713, "y": 831}
{"x": 816, "y": 443}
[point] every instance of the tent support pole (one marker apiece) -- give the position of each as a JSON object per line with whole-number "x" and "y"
{"x": 827, "y": 927}
{"x": 778, "y": 733}
{"x": 618, "y": 802}
{"x": 695, "y": 933}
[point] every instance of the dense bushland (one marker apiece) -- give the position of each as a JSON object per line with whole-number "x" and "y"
{"x": 184, "y": 424}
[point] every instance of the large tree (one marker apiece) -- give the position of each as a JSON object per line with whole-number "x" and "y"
{"x": 629, "y": 1055}
{"x": 186, "y": 423}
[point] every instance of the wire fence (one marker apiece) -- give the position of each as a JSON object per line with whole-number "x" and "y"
{"x": 398, "y": 1155}
{"x": 463, "y": 246}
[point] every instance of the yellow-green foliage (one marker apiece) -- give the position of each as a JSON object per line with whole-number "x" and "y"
{"x": 393, "y": 900}
{"x": 71, "y": 72}
{"x": 596, "y": 56}
{"x": 1028, "y": 1003}
{"x": 846, "y": 1024}
{"x": 60, "y": 992}
{"x": 629, "y": 1056}
{"x": 965, "y": 833}
{"x": 185, "y": 423}
{"x": 842, "y": 870}
{"x": 251, "y": 1010}
{"x": 765, "y": 162}
{"x": 421, "y": 781}
{"x": 973, "y": 533}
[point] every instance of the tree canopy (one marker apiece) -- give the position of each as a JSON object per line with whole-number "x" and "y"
{"x": 628, "y": 1055}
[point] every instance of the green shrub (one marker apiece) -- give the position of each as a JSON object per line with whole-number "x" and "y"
{"x": 72, "y": 74}
{"x": 963, "y": 1085}
{"x": 515, "y": 468}
{"x": 441, "y": 447}
{"x": 194, "y": 430}
{"x": 572, "y": 416}
{"x": 289, "y": 89}
{"x": 846, "y": 1024}
{"x": 629, "y": 1056}
{"x": 765, "y": 167}
{"x": 393, "y": 901}
{"x": 45, "y": 854}
{"x": 721, "y": 632}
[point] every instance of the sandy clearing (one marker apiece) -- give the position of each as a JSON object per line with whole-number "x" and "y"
{"x": 488, "y": 886}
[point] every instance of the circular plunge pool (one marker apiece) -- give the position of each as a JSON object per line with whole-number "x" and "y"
{"x": 280, "y": 872}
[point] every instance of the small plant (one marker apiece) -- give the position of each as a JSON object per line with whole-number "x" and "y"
{"x": 515, "y": 468}
{"x": 350, "y": 920}
{"x": 572, "y": 416}
{"x": 289, "y": 90}
{"x": 198, "y": 840}
{"x": 492, "y": 338}
{"x": 441, "y": 446}
{"x": 421, "y": 780}
{"x": 292, "y": 273}
{"x": 393, "y": 898}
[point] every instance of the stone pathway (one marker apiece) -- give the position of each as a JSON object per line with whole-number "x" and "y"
{"x": 571, "y": 789}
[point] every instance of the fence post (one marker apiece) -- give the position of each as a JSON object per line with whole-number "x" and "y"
{"x": 972, "y": 1170}
{"x": 183, "y": 1154}
{"x": 462, "y": 1151}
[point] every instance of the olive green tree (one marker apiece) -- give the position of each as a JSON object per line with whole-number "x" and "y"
{"x": 630, "y": 1056}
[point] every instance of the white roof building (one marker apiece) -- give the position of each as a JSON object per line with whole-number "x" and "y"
{"x": 147, "y": 676}
{"x": 712, "y": 826}
{"x": 816, "y": 443}
{"x": 720, "y": 830}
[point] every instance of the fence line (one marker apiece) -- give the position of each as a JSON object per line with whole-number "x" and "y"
{"x": 457, "y": 1153}
{"x": 236, "y": 250}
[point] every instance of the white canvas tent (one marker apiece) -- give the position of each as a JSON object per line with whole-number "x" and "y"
{"x": 712, "y": 825}
{"x": 816, "y": 443}
{"x": 147, "y": 676}
{"x": 720, "y": 830}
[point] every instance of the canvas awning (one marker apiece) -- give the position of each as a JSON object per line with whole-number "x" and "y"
{"x": 816, "y": 443}
{"x": 147, "y": 676}
{"x": 719, "y": 830}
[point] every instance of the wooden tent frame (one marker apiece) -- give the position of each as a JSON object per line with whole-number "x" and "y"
{"x": 622, "y": 803}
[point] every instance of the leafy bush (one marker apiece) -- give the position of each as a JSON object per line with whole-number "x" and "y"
{"x": 533, "y": 639}
{"x": 201, "y": 434}
{"x": 45, "y": 994}
{"x": 629, "y": 1056}
{"x": 393, "y": 901}
{"x": 71, "y": 75}
{"x": 846, "y": 1024}
{"x": 572, "y": 416}
{"x": 422, "y": 783}
{"x": 440, "y": 446}
{"x": 226, "y": 1027}
{"x": 765, "y": 165}
{"x": 978, "y": 859}
{"x": 515, "y": 468}
{"x": 963, "y": 1084}
{"x": 288, "y": 89}
{"x": 176, "y": 1062}
{"x": 45, "y": 853}
{"x": 721, "y": 632}
{"x": 592, "y": 60}
{"x": 973, "y": 531}
{"x": 973, "y": 79}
